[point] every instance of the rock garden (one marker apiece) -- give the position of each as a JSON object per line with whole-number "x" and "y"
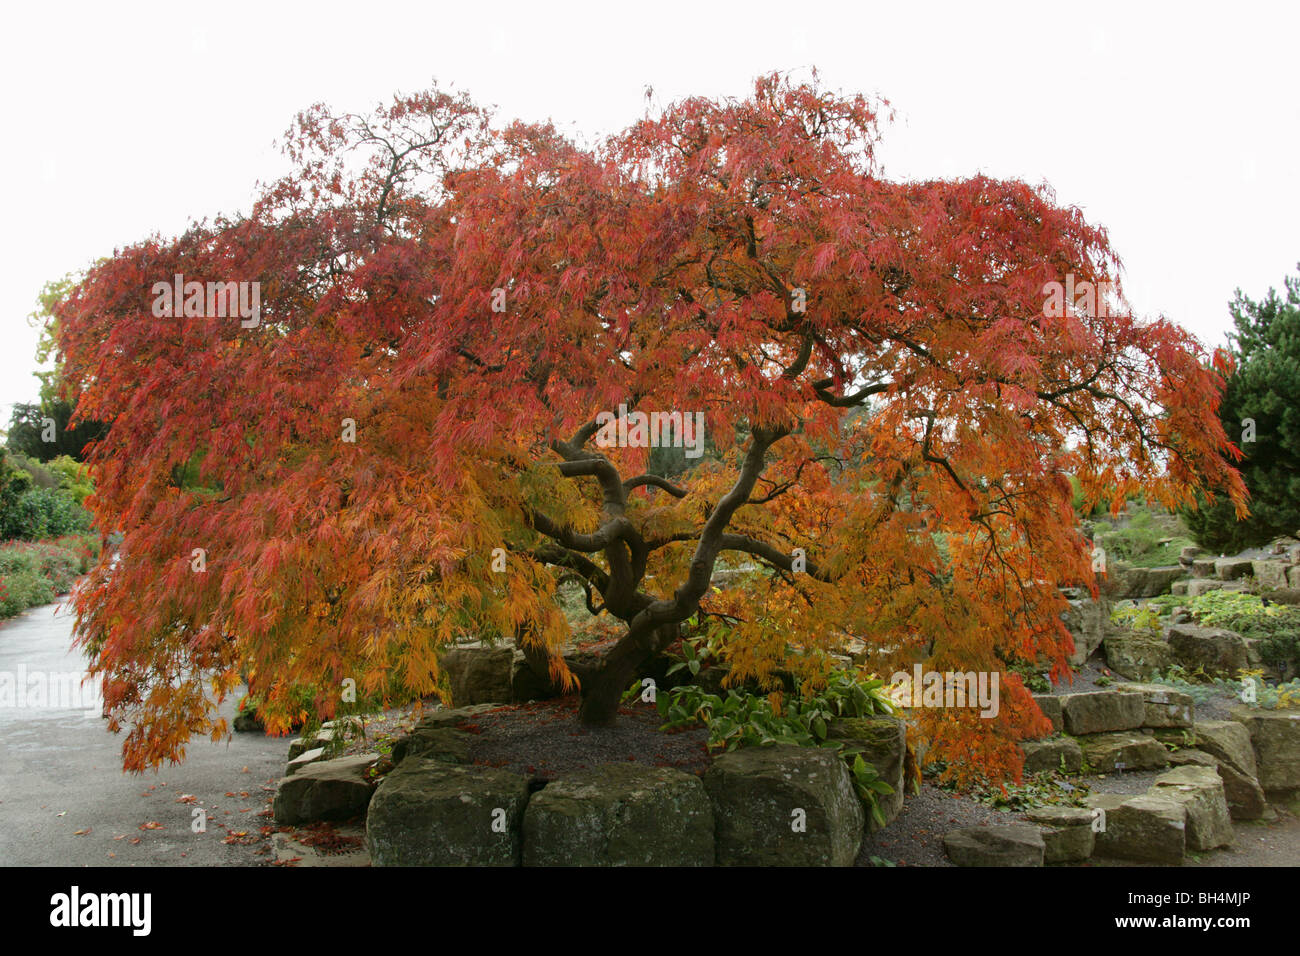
{"x": 1176, "y": 732}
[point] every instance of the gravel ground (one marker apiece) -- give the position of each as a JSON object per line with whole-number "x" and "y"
{"x": 915, "y": 838}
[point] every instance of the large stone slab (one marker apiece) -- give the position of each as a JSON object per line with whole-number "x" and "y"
{"x": 306, "y": 758}
{"x": 1125, "y": 582}
{"x": 1198, "y": 586}
{"x": 1104, "y": 753}
{"x": 995, "y": 846}
{"x": 453, "y": 717}
{"x": 883, "y": 744}
{"x": 1220, "y": 653}
{"x": 1275, "y": 738}
{"x": 1200, "y": 791}
{"x": 1270, "y": 574}
{"x": 1098, "y": 711}
{"x": 620, "y": 815}
{"x": 1229, "y": 569}
{"x": 1227, "y": 742}
{"x": 1145, "y": 828}
{"x": 478, "y": 675}
{"x": 1164, "y": 706}
{"x": 325, "y": 790}
{"x": 784, "y": 806}
{"x": 1135, "y": 655}
{"x": 1067, "y": 833}
{"x": 438, "y": 743}
{"x": 427, "y": 812}
{"x": 1057, "y": 754}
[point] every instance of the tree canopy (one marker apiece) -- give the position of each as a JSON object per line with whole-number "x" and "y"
{"x": 893, "y": 414}
{"x": 1259, "y": 406}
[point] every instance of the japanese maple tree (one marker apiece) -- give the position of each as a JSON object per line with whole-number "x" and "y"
{"x": 448, "y": 305}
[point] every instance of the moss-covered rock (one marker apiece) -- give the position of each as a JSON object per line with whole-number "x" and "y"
{"x": 784, "y": 806}
{"x": 431, "y": 813}
{"x": 620, "y": 815}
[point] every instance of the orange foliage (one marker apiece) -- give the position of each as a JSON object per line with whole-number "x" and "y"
{"x": 873, "y": 360}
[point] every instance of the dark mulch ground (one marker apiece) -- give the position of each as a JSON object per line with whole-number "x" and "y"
{"x": 544, "y": 739}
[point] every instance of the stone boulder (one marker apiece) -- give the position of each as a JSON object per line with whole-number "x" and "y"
{"x": 1135, "y": 655}
{"x": 1270, "y": 574}
{"x": 1105, "y": 753}
{"x": 1229, "y": 569}
{"x": 1228, "y": 742}
{"x": 478, "y": 675}
{"x": 784, "y": 806}
{"x": 1086, "y": 620}
{"x": 1128, "y": 583}
{"x": 1052, "y": 754}
{"x": 452, "y": 717}
{"x": 1050, "y": 705}
{"x": 620, "y": 815}
{"x": 325, "y": 790}
{"x": 436, "y": 743}
{"x": 1275, "y": 739}
{"x": 1200, "y": 791}
{"x": 1203, "y": 567}
{"x": 1198, "y": 586}
{"x": 995, "y": 846}
{"x": 1164, "y": 706}
{"x": 1221, "y": 653}
{"x": 1067, "y": 833}
{"x": 1098, "y": 711}
{"x": 430, "y": 813}
{"x": 1191, "y": 757}
{"x": 526, "y": 684}
{"x": 1145, "y": 828}
{"x": 882, "y": 741}
{"x": 304, "y": 759}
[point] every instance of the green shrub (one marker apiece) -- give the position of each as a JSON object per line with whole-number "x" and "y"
{"x": 22, "y": 590}
{"x": 743, "y": 719}
{"x": 1247, "y": 614}
{"x": 44, "y": 513}
{"x": 36, "y": 572}
{"x": 74, "y": 477}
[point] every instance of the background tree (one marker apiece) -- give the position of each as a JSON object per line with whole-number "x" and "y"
{"x": 30, "y": 423}
{"x": 892, "y": 410}
{"x": 1260, "y": 405}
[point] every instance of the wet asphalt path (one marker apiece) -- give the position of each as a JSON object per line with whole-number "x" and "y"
{"x": 61, "y": 772}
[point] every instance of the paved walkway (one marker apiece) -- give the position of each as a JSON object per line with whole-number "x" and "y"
{"x": 61, "y": 772}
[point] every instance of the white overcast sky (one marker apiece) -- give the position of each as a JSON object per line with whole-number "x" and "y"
{"x": 1176, "y": 126}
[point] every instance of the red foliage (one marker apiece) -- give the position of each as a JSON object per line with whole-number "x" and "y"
{"x": 881, "y": 384}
